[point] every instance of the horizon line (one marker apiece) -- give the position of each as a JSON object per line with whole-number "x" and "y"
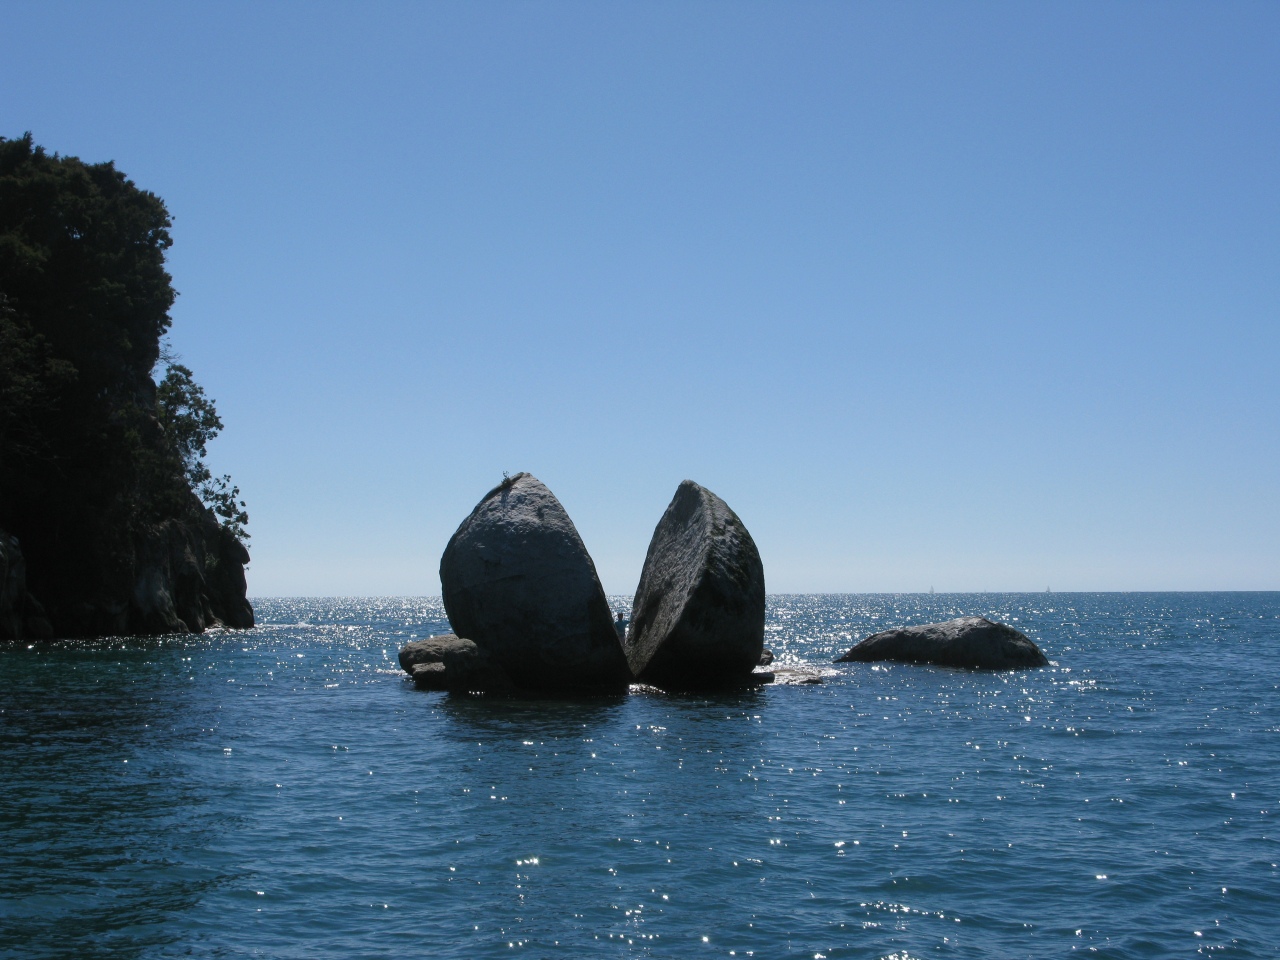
{"x": 815, "y": 593}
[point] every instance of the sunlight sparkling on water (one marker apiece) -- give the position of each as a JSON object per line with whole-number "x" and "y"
{"x": 286, "y": 792}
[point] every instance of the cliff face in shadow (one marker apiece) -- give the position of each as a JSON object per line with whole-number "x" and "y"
{"x": 110, "y": 523}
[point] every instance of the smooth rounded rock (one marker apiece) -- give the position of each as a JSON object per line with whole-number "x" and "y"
{"x": 698, "y": 617}
{"x": 517, "y": 580}
{"x": 973, "y": 642}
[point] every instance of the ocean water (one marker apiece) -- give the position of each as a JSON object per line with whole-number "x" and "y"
{"x": 286, "y": 792}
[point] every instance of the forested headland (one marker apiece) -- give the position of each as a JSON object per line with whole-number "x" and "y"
{"x": 110, "y": 520}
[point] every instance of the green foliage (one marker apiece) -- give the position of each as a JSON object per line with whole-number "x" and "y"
{"x": 187, "y": 417}
{"x": 223, "y": 498}
{"x": 82, "y": 258}
{"x": 190, "y": 421}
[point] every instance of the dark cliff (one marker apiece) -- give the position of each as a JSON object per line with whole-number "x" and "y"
{"x": 110, "y": 523}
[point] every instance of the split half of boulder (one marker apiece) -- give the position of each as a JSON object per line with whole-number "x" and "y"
{"x": 518, "y": 582}
{"x": 974, "y": 642}
{"x": 698, "y": 617}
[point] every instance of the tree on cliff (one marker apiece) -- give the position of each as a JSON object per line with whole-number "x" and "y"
{"x": 190, "y": 420}
{"x": 98, "y": 466}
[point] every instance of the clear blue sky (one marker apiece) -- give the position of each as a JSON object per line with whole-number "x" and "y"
{"x": 977, "y": 296}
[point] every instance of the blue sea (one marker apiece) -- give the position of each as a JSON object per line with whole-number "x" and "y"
{"x": 286, "y": 792}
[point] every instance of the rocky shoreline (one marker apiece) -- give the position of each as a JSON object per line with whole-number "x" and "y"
{"x": 187, "y": 575}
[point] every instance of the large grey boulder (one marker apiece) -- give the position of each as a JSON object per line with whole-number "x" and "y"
{"x": 518, "y": 582}
{"x": 974, "y": 642}
{"x": 698, "y": 617}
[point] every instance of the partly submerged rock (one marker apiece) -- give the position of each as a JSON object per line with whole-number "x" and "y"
{"x": 449, "y": 662}
{"x": 787, "y": 676}
{"x": 698, "y": 617}
{"x": 430, "y": 676}
{"x": 517, "y": 580}
{"x": 974, "y": 642}
{"x": 431, "y": 650}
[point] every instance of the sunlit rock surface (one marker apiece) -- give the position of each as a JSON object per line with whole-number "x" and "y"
{"x": 518, "y": 582}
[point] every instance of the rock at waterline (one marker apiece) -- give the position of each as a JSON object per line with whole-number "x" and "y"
{"x": 21, "y": 615}
{"x": 449, "y": 662}
{"x": 518, "y": 582}
{"x": 698, "y": 617}
{"x": 973, "y": 642}
{"x": 787, "y": 676}
{"x": 188, "y": 576}
{"x": 431, "y": 650}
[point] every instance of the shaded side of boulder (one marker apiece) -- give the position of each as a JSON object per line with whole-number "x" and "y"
{"x": 450, "y": 662}
{"x": 697, "y": 621}
{"x": 973, "y": 642}
{"x": 517, "y": 580}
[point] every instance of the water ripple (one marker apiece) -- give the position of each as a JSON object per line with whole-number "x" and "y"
{"x": 285, "y": 792}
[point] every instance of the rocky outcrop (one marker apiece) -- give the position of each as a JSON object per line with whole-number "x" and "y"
{"x": 448, "y": 662}
{"x": 517, "y": 581}
{"x": 788, "y": 676}
{"x": 698, "y": 617}
{"x": 225, "y": 586}
{"x": 973, "y": 642}
{"x": 21, "y": 615}
{"x": 181, "y": 576}
{"x": 189, "y": 576}
{"x": 13, "y": 587}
